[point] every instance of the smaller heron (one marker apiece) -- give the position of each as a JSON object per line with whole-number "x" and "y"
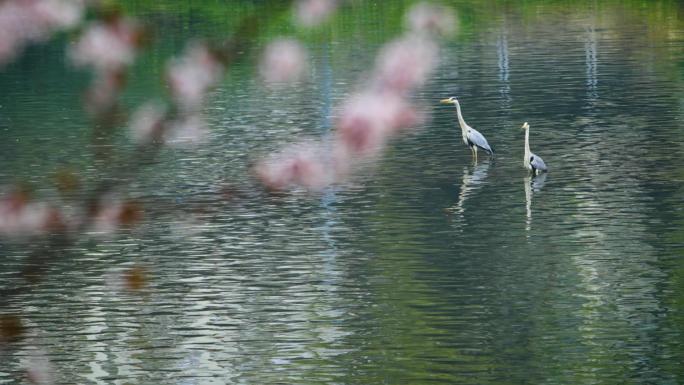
{"x": 471, "y": 137}
{"x": 532, "y": 162}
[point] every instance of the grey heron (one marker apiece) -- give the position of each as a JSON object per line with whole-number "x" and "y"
{"x": 471, "y": 137}
{"x": 532, "y": 161}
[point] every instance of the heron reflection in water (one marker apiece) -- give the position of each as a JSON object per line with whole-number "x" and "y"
{"x": 470, "y": 182}
{"x": 532, "y": 184}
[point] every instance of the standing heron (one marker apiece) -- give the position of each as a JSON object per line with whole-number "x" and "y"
{"x": 471, "y": 137}
{"x": 532, "y": 162}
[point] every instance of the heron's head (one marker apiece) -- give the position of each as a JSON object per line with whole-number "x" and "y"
{"x": 451, "y": 100}
{"x": 525, "y": 126}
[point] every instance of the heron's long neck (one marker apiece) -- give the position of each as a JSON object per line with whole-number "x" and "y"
{"x": 527, "y": 143}
{"x": 461, "y": 122}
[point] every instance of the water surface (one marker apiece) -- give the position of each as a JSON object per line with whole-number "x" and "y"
{"x": 425, "y": 267}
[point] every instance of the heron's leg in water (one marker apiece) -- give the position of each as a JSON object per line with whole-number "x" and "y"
{"x": 475, "y": 152}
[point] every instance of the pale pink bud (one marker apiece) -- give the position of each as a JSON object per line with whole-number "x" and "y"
{"x": 283, "y": 60}
{"x": 147, "y": 122}
{"x": 191, "y": 76}
{"x": 430, "y": 18}
{"x": 405, "y": 63}
{"x": 311, "y": 13}
{"x": 106, "y": 47}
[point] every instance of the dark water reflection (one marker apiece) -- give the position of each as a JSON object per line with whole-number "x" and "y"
{"x": 424, "y": 269}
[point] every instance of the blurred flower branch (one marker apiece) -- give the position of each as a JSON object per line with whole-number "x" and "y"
{"x": 108, "y": 44}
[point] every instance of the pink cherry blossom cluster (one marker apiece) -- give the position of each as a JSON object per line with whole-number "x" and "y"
{"x": 189, "y": 77}
{"x": 26, "y": 21}
{"x": 108, "y": 47}
{"x": 369, "y": 119}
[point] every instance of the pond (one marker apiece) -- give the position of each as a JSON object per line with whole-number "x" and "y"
{"x": 424, "y": 267}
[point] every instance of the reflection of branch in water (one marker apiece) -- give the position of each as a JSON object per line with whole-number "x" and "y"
{"x": 469, "y": 183}
{"x": 532, "y": 184}
{"x": 591, "y": 61}
{"x": 502, "y": 53}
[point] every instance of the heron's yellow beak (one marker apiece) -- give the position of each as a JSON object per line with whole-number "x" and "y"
{"x": 525, "y": 126}
{"x": 446, "y": 101}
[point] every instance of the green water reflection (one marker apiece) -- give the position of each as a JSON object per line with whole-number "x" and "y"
{"x": 424, "y": 268}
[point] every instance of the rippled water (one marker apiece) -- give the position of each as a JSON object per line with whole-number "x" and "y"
{"x": 425, "y": 268}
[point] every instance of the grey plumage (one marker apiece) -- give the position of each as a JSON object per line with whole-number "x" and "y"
{"x": 475, "y": 138}
{"x": 537, "y": 163}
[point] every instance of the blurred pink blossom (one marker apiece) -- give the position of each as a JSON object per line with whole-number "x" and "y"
{"x": 310, "y": 13}
{"x": 366, "y": 120}
{"x": 26, "y": 21}
{"x": 192, "y": 75}
{"x": 283, "y": 60}
{"x": 102, "y": 94}
{"x": 8, "y": 47}
{"x": 302, "y": 164}
{"x": 424, "y": 17}
{"x": 113, "y": 213}
{"x": 147, "y": 122}
{"x": 59, "y": 13}
{"x": 107, "y": 46}
{"x": 369, "y": 119}
{"x": 21, "y": 217}
{"x": 405, "y": 63}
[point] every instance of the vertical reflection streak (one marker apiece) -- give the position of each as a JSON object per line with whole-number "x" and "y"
{"x": 502, "y": 53}
{"x": 591, "y": 62}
